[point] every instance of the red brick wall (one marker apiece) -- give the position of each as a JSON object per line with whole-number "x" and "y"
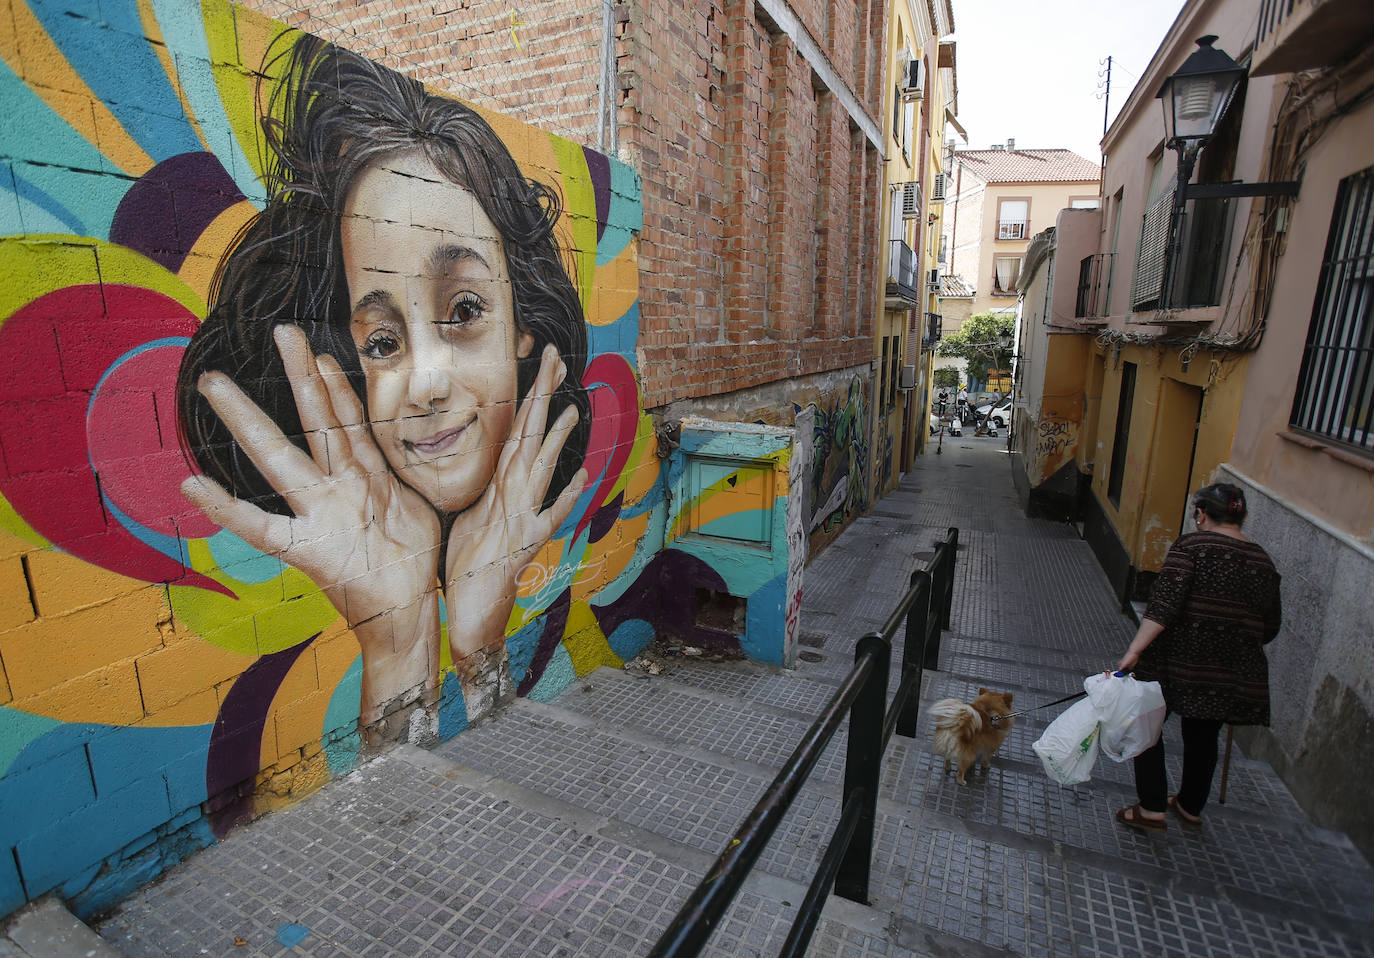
{"x": 540, "y": 66}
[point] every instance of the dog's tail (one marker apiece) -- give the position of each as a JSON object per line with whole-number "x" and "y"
{"x": 956, "y": 717}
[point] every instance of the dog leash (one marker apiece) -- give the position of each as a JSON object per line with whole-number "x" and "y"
{"x": 996, "y": 719}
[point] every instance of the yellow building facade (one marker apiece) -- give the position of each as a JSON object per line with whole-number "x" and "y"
{"x": 919, "y": 99}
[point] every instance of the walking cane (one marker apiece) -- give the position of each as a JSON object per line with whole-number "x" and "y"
{"x": 1226, "y": 764}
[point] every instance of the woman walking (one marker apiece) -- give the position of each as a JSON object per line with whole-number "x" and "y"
{"x": 1214, "y": 607}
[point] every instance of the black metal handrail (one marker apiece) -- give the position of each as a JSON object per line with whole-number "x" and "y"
{"x": 925, "y": 609}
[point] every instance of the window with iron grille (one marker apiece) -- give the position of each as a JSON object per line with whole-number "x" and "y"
{"x": 1335, "y": 395}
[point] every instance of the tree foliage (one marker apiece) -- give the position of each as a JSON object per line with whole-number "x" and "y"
{"x": 971, "y": 343}
{"x": 946, "y": 377}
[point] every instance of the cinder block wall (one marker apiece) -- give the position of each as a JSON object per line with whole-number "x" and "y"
{"x": 173, "y": 666}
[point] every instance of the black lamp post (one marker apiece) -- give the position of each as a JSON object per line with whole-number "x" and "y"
{"x": 1195, "y": 98}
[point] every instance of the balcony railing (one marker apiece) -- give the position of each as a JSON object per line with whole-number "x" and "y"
{"x": 1272, "y": 15}
{"x": 1011, "y": 229}
{"x": 1094, "y": 286}
{"x": 1297, "y": 35}
{"x": 901, "y": 272}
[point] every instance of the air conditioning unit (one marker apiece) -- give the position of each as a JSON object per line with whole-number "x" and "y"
{"x": 937, "y": 188}
{"x": 911, "y": 200}
{"x": 914, "y": 83}
{"x": 935, "y": 279}
{"x": 908, "y": 377}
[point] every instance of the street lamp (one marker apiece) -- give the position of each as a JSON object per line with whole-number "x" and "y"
{"x": 1197, "y": 94}
{"x": 1195, "y": 98}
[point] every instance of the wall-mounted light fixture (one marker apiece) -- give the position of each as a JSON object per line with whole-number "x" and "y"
{"x": 1195, "y": 98}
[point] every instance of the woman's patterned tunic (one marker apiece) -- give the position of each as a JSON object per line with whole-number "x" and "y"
{"x": 1218, "y": 600}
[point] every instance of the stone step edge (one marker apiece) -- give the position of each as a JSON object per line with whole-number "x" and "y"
{"x": 1295, "y": 828}
{"x": 998, "y": 834}
{"x": 46, "y": 929}
{"x": 862, "y": 918}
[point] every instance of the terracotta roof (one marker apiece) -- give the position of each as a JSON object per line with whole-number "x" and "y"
{"x": 954, "y": 287}
{"x": 1028, "y": 166}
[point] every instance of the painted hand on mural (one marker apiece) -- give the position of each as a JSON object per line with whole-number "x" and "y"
{"x": 494, "y": 538}
{"x": 369, "y": 541}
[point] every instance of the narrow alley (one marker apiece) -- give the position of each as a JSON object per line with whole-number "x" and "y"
{"x": 577, "y": 826}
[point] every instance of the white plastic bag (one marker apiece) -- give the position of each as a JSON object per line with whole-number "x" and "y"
{"x": 1131, "y": 713}
{"x": 1068, "y": 748}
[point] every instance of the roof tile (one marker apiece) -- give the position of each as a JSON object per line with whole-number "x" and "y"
{"x": 1028, "y": 166}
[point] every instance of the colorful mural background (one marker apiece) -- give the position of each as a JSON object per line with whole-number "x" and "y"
{"x": 162, "y": 678}
{"x": 839, "y": 483}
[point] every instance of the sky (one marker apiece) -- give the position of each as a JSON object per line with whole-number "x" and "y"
{"x": 1032, "y": 70}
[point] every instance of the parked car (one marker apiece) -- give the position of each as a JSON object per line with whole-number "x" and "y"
{"x": 999, "y": 414}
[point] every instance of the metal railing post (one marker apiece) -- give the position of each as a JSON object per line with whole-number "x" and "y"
{"x": 863, "y": 763}
{"x": 913, "y": 652}
{"x": 947, "y": 589}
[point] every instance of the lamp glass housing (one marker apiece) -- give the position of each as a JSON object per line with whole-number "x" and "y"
{"x": 1197, "y": 94}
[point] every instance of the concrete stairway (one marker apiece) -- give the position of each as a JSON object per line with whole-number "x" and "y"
{"x": 578, "y": 826}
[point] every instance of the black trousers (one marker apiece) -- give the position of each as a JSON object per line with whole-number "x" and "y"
{"x": 1199, "y": 762}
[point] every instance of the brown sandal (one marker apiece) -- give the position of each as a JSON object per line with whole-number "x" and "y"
{"x": 1132, "y": 817}
{"x": 1190, "y": 820}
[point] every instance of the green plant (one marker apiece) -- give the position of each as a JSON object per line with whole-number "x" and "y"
{"x": 946, "y": 378}
{"x": 975, "y": 343}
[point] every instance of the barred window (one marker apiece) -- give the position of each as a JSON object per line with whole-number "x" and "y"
{"x": 1335, "y": 394}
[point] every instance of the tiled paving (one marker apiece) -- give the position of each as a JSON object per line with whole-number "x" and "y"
{"x": 578, "y": 826}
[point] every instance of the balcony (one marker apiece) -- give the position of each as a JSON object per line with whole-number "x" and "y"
{"x": 1094, "y": 288}
{"x": 902, "y": 291}
{"x": 1307, "y": 34}
{"x": 1011, "y": 229}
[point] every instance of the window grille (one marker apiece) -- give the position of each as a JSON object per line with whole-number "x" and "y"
{"x": 1335, "y": 394}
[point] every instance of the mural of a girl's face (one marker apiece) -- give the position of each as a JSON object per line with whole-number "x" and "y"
{"x": 433, "y": 320}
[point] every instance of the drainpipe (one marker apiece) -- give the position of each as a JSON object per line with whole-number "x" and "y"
{"x": 607, "y": 130}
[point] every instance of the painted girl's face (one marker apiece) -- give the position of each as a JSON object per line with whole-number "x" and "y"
{"x": 434, "y": 323}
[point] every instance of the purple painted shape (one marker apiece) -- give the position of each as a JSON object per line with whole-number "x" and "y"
{"x": 604, "y": 519}
{"x": 165, "y": 211}
{"x": 664, "y": 595}
{"x": 236, "y": 742}
{"x": 599, "y": 167}
{"x": 555, "y": 621}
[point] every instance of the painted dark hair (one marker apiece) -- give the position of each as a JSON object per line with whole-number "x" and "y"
{"x": 332, "y": 114}
{"x": 1221, "y": 502}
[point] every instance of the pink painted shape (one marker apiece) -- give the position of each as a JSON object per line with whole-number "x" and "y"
{"x": 131, "y": 431}
{"x": 46, "y": 472}
{"x": 615, "y": 414}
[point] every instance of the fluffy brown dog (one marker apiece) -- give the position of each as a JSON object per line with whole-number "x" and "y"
{"x": 965, "y": 731}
